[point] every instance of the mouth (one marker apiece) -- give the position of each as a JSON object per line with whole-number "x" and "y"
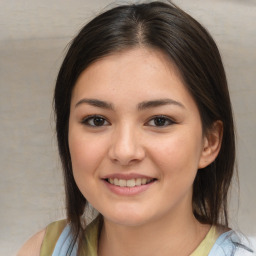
{"x": 130, "y": 183}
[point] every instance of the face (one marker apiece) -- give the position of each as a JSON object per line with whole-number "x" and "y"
{"x": 135, "y": 138}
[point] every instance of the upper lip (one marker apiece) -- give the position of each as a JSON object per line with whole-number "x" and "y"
{"x": 127, "y": 176}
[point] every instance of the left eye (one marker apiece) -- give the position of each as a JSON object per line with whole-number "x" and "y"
{"x": 95, "y": 121}
{"x": 160, "y": 121}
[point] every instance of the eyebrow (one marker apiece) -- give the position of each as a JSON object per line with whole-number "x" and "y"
{"x": 141, "y": 106}
{"x": 96, "y": 103}
{"x": 157, "y": 103}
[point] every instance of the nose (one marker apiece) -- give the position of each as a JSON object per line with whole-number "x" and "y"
{"x": 126, "y": 146}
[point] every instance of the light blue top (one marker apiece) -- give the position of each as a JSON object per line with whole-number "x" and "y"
{"x": 228, "y": 244}
{"x": 63, "y": 244}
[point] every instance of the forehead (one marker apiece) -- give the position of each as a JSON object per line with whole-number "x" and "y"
{"x": 139, "y": 73}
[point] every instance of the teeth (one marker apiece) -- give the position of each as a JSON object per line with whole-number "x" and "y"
{"x": 138, "y": 182}
{"x": 129, "y": 183}
{"x": 143, "y": 181}
{"x": 122, "y": 183}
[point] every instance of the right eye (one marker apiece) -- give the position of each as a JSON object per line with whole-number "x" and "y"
{"x": 95, "y": 121}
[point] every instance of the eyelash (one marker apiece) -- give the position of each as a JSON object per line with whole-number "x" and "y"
{"x": 86, "y": 121}
{"x": 163, "y": 119}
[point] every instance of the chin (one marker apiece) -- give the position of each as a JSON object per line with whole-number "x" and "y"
{"x": 128, "y": 218}
{"x": 128, "y": 222}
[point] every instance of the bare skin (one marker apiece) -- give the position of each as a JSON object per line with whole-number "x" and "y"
{"x": 181, "y": 240}
{"x": 33, "y": 245}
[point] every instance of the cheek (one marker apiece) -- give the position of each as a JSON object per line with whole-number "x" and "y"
{"x": 178, "y": 153}
{"x": 86, "y": 153}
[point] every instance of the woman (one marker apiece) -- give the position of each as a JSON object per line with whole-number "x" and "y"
{"x": 145, "y": 134}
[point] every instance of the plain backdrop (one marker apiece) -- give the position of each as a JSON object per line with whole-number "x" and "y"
{"x": 33, "y": 39}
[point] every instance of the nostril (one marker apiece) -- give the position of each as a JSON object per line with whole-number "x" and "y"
{"x": 125, "y": 150}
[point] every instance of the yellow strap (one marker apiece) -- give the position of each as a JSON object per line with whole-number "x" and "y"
{"x": 90, "y": 245}
{"x": 206, "y": 245}
{"x": 51, "y": 236}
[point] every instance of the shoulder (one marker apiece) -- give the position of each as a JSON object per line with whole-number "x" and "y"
{"x": 33, "y": 245}
{"x": 231, "y": 243}
{"x": 44, "y": 240}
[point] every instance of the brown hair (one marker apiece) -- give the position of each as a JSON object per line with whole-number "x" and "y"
{"x": 190, "y": 47}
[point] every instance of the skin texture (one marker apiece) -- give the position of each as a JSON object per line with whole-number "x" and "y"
{"x": 128, "y": 141}
{"x": 33, "y": 245}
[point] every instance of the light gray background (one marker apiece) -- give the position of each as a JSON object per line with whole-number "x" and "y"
{"x": 33, "y": 36}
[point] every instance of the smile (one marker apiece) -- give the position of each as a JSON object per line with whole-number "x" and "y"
{"x": 129, "y": 183}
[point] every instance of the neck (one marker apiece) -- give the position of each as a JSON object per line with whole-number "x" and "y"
{"x": 170, "y": 236}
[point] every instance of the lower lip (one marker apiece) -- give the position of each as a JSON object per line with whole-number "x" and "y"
{"x": 128, "y": 191}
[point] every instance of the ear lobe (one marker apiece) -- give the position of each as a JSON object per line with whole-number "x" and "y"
{"x": 212, "y": 145}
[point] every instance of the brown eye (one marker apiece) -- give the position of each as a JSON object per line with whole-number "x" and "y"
{"x": 160, "y": 121}
{"x": 95, "y": 121}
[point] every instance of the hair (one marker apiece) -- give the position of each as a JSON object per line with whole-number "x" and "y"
{"x": 165, "y": 27}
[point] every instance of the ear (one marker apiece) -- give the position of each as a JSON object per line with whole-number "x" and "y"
{"x": 211, "y": 145}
